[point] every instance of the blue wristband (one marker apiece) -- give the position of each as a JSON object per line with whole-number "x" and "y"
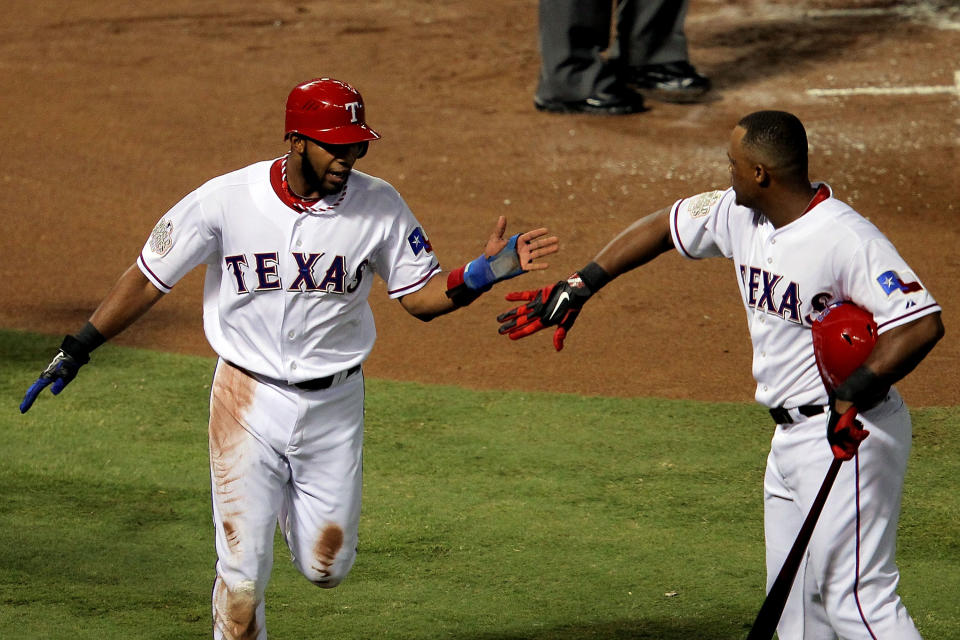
{"x": 478, "y": 275}
{"x": 482, "y": 273}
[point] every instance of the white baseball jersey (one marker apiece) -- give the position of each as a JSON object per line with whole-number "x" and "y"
{"x": 287, "y": 281}
{"x": 787, "y": 275}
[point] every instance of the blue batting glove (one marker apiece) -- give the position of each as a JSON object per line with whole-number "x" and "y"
{"x": 61, "y": 370}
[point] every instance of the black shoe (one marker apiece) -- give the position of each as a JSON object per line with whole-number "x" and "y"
{"x": 671, "y": 82}
{"x": 613, "y": 104}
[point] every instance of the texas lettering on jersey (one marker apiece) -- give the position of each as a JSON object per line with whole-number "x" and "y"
{"x": 768, "y": 292}
{"x": 265, "y": 271}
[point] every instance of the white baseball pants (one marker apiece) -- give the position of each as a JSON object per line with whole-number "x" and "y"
{"x": 280, "y": 455}
{"x": 847, "y": 585}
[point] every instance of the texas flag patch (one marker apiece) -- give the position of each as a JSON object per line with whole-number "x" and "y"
{"x": 890, "y": 282}
{"x": 418, "y": 242}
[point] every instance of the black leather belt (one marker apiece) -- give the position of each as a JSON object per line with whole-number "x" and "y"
{"x": 319, "y": 384}
{"x": 781, "y": 415}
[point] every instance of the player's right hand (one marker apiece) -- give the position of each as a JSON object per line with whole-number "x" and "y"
{"x": 555, "y": 305}
{"x": 61, "y": 370}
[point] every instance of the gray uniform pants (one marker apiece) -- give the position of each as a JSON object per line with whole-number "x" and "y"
{"x": 574, "y": 34}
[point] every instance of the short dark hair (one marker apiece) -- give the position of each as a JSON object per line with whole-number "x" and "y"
{"x": 779, "y": 138}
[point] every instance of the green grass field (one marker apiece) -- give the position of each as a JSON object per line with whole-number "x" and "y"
{"x": 487, "y": 516}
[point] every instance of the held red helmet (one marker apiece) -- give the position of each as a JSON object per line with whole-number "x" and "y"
{"x": 843, "y": 337}
{"x": 328, "y": 110}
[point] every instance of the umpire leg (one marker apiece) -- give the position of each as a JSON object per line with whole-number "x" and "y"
{"x": 650, "y": 32}
{"x": 573, "y": 35}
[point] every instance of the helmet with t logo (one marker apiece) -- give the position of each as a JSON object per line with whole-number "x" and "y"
{"x": 329, "y": 111}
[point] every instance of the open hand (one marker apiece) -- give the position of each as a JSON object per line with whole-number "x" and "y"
{"x": 530, "y": 246}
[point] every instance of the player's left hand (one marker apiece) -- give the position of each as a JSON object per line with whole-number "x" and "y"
{"x": 844, "y": 432}
{"x": 61, "y": 370}
{"x": 527, "y": 247}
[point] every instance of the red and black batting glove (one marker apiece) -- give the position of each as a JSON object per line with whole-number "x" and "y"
{"x": 863, "y": 388}
{"x": 555, "y": 305}
{"x": 844, "y": 432}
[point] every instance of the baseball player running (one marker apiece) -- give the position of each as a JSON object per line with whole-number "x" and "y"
{"x": 795, "y": 249}
{"x": 290, "y": 247}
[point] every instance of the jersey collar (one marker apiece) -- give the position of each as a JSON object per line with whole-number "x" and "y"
{"x": 278, "y": 180}
{"x": 823, "y": 192}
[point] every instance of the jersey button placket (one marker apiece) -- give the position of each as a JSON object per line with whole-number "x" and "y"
{"x": 761, "y": 335}
{"x": 769, "y": 261}
{"x": 771, "y": 241}
{"x": 290, "y": 307}
{"x": 295, "y": 236}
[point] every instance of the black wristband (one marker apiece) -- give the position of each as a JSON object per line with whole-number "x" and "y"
{"x": 80, "y": 345}
{"x": 89, "y": 337}
{"x": 462, "y": 295}
{"x": 863, "y": 388}
{"x": 594, "y": 276}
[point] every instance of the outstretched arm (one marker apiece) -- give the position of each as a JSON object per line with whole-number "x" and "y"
{"x": 130, "y": 298}
{"x": 501, "y": 259}
{"x": 559, "y": 304}
{"x": 636, "y": 245}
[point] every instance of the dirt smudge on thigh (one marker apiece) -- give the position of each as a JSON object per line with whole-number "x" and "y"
{"x": 231, "y": 398}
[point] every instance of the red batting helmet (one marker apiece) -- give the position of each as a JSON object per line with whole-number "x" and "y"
{"x": 329, "y": 111}
{"x": 843, "y": 337}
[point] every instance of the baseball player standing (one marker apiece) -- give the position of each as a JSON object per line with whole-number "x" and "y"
{"x": 290, "y": 247}
{"x": 795, "y": 249}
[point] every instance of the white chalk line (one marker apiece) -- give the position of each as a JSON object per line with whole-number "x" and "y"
{"x": 924, "y": 12}
{"x": 938, "y": 18}
{"x": 890, "y": 91}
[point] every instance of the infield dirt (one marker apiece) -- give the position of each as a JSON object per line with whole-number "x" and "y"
{"x": 114, "y": 111}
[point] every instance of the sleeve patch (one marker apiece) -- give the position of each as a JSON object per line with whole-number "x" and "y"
{"x": 161, "y": 238}
{"x": 700, "y": 205}
{"x": 891, "y": 281}
{"x": 419, "y": 242}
